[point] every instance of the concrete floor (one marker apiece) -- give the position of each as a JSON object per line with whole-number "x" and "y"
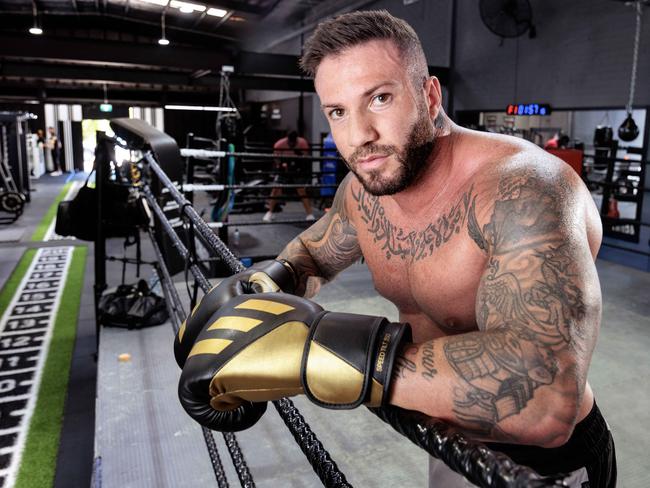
{"x": 367, "y": 451}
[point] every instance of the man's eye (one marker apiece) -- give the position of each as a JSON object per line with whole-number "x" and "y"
{"x": 381, "y": 99}
{"x": 337, "y": 113}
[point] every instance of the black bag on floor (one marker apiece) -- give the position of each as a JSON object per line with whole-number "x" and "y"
{"x": 132, "y": 307}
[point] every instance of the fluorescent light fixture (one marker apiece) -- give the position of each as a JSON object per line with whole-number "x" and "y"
{"x": 187, "y": 7}
{"x": 163, "y": 42}
{"x": 217, "y": 12}
{"x": 37, "y": 31}
{"x": 200, "y": 108}
{"x": 162, "y": 3}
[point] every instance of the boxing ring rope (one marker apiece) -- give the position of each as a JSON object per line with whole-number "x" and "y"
{"x": 319, "y": 458}
{"x": 471, "y": 459}
{"x": 211, "y": 154}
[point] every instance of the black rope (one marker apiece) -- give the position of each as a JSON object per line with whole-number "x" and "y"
{"x": 327, "y": 470}
{"x": 473, "y": 460}
{"x": 245, "y": 477}
{"x": 174, "y": 306}
{"x": 213, "y": 452}
{"x": 318, "y": 457}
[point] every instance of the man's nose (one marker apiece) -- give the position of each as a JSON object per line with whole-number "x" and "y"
{"x": 361, "y": 131}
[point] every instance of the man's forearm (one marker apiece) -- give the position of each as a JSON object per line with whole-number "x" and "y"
{"x": 492, "y": 385}
{"x": 325, "y": 249}
{"x": 309, "y": 277}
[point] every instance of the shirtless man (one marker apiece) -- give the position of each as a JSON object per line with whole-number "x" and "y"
{"x": 486, "y": 245}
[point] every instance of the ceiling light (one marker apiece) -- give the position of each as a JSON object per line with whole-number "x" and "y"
{"x": 217, "y": 12}
{"x": 162, "y": 3}
{"x": 187, "y": 7}
{"x": 35, "y": 29}
{"x": 163, "y": 41}
{"x": 200, "y": 108}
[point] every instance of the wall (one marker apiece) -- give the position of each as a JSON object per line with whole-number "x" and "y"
{"x": 581, "y": 57}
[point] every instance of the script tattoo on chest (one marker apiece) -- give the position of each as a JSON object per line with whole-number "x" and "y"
{"x": 416, "y": 244}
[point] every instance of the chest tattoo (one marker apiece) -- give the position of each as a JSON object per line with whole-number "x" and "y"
{"x": 416, "y": 244}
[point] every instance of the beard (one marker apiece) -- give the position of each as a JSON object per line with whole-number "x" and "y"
{"x": 412, "y": 159}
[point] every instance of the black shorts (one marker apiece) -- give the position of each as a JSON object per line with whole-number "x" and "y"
{"x": 591, "y": 447}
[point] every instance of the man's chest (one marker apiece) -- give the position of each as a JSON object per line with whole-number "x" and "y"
{"x": 429, "y": 268}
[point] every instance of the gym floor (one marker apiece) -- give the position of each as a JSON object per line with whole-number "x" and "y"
{"x": 367, "y": 451}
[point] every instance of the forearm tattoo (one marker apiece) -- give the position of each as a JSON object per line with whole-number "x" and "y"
{"x": 325, "y": 249}
{"x": 403, "y": 364}
{"x": 529, "y": 307}
{"x": 417, "y": 244}
{"x": 427, "y": 361}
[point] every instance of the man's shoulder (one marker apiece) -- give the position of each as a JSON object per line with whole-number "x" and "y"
{"x": 525, "y": 165}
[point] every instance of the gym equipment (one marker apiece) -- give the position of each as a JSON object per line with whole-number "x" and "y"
{"x": 628, "y": 130}
{"x": 11, "y": 200}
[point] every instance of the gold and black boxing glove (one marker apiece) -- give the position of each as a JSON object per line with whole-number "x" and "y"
{"x": 265, "y": 276}
{"x": 263, "y": 347}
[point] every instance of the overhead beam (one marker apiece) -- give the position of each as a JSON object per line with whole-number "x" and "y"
{"x": 111, "y": 52}
{"x": 129, "y": 55}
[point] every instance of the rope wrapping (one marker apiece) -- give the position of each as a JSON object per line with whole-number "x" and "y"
{"x": 317, "y": 455}
{"x": 213, "y": 452}
{"x": 244, "y": 474}
{"x": 473, "y": 460}
{"x": 323, "y": 465}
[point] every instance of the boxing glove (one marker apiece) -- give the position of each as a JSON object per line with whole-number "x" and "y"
{"x": 265, "y": 276}
{"x": 263, "y": 347}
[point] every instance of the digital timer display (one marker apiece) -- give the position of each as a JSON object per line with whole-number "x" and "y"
{"x": 528, "y": 109}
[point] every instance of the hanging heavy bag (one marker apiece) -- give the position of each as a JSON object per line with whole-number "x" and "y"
{"x": 132, "y": 307}
{"x": 122, "y": 213}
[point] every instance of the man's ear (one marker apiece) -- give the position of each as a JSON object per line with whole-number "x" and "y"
{"x": 433, "y": 94}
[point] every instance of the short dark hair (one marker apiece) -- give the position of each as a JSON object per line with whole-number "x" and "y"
{"x": 335, "y": 35}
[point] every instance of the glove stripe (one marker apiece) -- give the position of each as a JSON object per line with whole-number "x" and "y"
{"x": 181, "y": 331}
{"x": 243, "y": 324}
{"x": 267, "y": 306}
{"x": 332, "y": 380}
{"x": 271, "y": 363}
{"x": 209, "y": 346}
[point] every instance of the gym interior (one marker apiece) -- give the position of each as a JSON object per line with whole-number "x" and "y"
{"x": 143, "y": 160}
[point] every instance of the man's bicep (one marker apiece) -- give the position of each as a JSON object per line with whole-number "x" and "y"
{"x": 538, "y": 304}
{"x": 328, "y": 246}
{"x": 540, "y": 271}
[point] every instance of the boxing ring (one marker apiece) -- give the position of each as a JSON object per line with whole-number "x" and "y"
{"x": 160, "y": 187}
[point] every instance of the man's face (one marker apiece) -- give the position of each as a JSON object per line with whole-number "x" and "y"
{"x": 380, "y": 121}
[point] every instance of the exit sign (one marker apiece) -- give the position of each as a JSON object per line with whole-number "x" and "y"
{"x": 106, "y": 107}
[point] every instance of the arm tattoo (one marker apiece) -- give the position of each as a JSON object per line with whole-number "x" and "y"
{"x": 325, "y": 249}
{"x": 529, "y": 306}
{"x": 404, "y": 364}
{"x": 415, "y": 245}
{"x": 427, "y": 362}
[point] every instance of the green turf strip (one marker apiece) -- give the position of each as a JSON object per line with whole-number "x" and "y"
{"x": 50, "y": 215}
{"x": 39, "y": 456}
{"x": 9, "y": 289}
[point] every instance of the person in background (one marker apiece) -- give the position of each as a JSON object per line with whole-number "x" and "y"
{"x": 291, "y": 172}
{"x": 55, "y": 148}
